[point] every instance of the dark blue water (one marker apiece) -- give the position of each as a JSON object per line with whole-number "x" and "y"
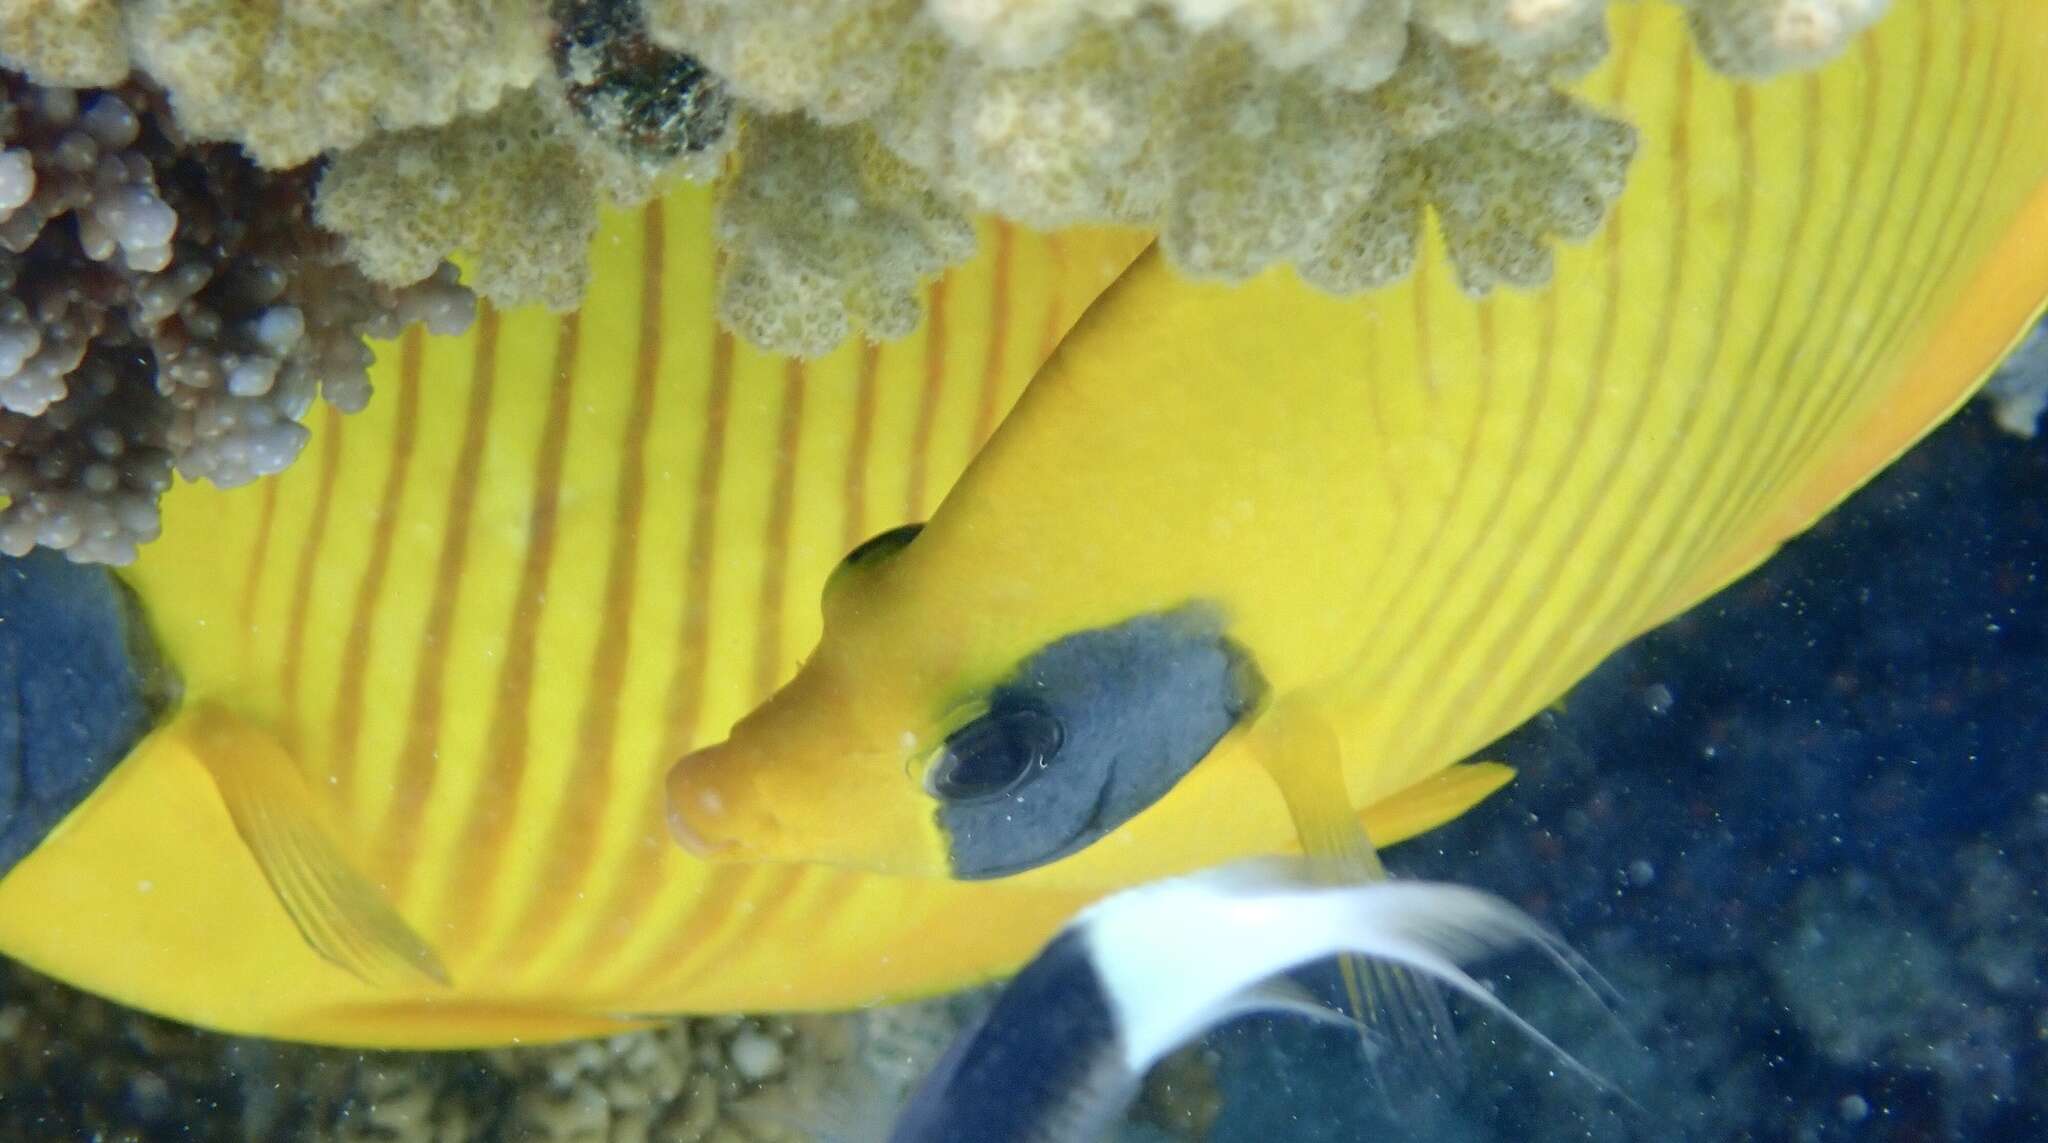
{"x": 1803, "y": 829}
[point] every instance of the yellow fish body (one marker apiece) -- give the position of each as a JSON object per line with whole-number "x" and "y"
{"x": 433, "y": 675}
{"x": 1410, "y": 519}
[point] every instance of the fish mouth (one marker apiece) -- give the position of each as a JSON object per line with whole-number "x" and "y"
{"x": 703, "y": 818}
{"x": 695, "y": 841}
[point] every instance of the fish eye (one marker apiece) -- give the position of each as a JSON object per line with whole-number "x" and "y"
{"x": 996, "y": 753}
{"x": 872, "y": 550}
{"x": 881, "y": 544}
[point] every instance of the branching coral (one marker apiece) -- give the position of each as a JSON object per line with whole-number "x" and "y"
{"x": 408, "y": 198}
{"x": 164, "y": 304}
{"x": 570, "y": 97}
{"x": 1320, "y": 133}
{"x": 1249, "y": 132}
{"x": 288, "y": 80}
{"x": 64, "y": 43}
{"x": 825, "y": 236}
{"x": 516, "y": 189}
{"x": 169, "y": 301}
{"x": 1766, "y": 37}
{"x": 836, "y": 59}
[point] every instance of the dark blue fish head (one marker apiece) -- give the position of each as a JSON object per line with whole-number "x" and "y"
{"x": 1044, "y": 1065}
{"x": 80, "y": 684}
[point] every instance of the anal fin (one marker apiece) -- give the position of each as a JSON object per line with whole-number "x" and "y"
{"x": 344, "y": 917}
{"x": 1401, "y": 1013}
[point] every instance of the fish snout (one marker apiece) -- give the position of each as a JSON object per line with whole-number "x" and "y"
{"x": 712, "y": 813}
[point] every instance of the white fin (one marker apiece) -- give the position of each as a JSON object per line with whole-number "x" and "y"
{"x": 1177, "y": 957}
{"x": 340, "y": 914}
{"x": 1281, "y": 995}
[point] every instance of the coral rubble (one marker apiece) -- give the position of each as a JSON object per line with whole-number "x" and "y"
{"x": 73, "y": 1066}
{"x": 2019, "y": 390}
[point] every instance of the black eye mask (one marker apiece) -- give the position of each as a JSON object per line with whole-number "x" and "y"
{"x": 1089, "y": 730}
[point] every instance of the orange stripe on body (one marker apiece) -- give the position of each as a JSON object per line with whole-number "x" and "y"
{"x": 486, "y": 831}
{"x": 1425, "y": 368}
{"x": 1763, "y": 466}
{"x": 1568, "y": 636}
{"x": 355, "y": 653}
{"x": 1537, "y": 386}
{"x": 686, "y": 687}
{"x": 1603, "y": 357}
{"x": 914, "y": 506}
{"x": 854, "y": 511}
{"x": 1754, "y": 491}
{"x": 1564, "y": 636}
{"x": 1840, "y": 398}
{"x": 1955, "y": 222}
{"x": 1446, "y": 584}
{"x": 998, "y": 341}
{"x": 576, "y": 829}
{"x": 1055, "y": 302}
{"x": 775, "y": 543}
{"x": 685, "y": 693}
{"x": 309, "y": 561}
{"x": 1806, "y": 415}
{"x": 2004, "y": 292}
{"x": 418, "y": 758}
{"x": 725, "y": 891}
{"x": 1905, "y": 308}
{"x": 708, "y": 932}
{"x": 259, "y": 559}
{"x": 1737, "y": 488}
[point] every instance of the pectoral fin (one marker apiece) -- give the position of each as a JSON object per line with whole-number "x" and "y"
{"x": 345, "y": 918}
{"x": 1393, "y": 1004}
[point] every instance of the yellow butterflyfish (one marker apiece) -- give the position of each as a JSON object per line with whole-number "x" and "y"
{"x": 431, "y": 677}
{"x": 411, "y": 792}
{"x": 1238, "y": 534}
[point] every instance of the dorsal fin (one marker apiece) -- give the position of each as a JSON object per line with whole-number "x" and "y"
{"x": 345, "y": 918}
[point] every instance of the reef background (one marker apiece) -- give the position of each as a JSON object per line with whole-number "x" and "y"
{"x": 1802, "y": 830}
